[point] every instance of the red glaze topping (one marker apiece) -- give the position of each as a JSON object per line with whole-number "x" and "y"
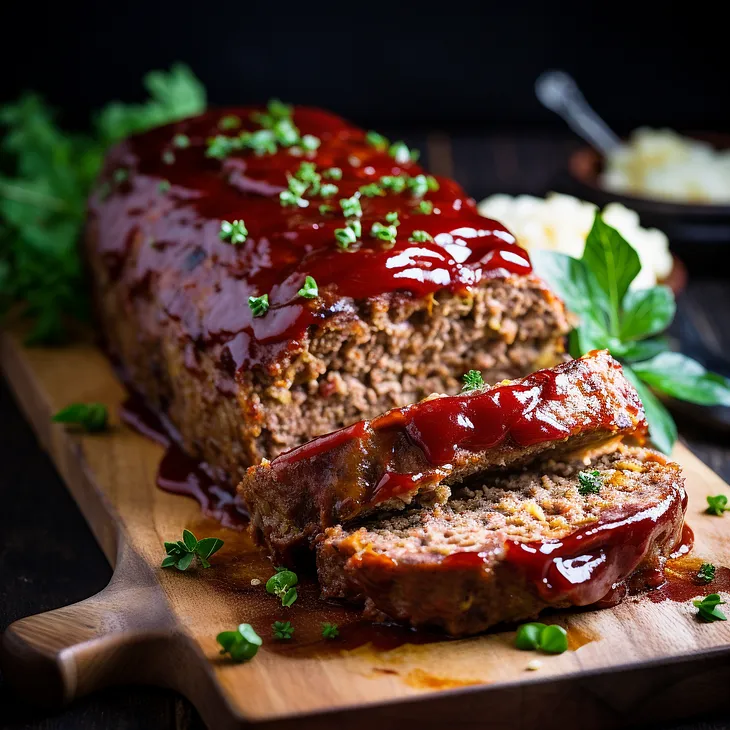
{"x": 169, "y": 242}
{"x": 589, "y": 565}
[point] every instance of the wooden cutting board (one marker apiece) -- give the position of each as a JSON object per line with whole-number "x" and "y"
{"x": 636, "y": 663}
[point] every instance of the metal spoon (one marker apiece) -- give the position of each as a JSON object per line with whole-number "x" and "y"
{"x": 558, "y": 91}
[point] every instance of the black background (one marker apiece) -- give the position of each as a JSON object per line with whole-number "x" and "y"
{"x": 417, "y": 64}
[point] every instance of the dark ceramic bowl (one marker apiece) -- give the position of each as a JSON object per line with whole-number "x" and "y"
{"x": 698, "y": 234}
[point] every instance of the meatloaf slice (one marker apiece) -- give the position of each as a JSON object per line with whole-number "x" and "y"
{"x": 419, "y": 451}
{"x": 512, "y": 545}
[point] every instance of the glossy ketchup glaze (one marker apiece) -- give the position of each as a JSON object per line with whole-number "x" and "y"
{"x": 591, "y": 565}
{"x": 180, "y": 473}
{"x": 165, "y": 242}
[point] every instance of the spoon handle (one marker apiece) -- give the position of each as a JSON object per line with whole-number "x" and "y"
{"x": 558, "y": 91}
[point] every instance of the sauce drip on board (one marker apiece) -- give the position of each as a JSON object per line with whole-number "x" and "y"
{"x": 168, "y": 241}
{"x": 180, "y": 473}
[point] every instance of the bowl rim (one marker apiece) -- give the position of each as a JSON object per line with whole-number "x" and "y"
{"x": 585, "y": 158}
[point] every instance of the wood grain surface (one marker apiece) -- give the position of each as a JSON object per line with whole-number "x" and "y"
{"x": 155, "y": 626}
{"x": 48, "y": 556}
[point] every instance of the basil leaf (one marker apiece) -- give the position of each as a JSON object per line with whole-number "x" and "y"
{"x": 185, "y": 560}
{"x": 662, "y": 429}
{"x": 647, "y": 312}
{"x": 189, "y": 539}
{"x": 169, "y": 561}
{"x": 640, "y": 349}
{"x": 207, "y": 546}
{"x": 684, "y": 378}
{"x": 613, "y": 262}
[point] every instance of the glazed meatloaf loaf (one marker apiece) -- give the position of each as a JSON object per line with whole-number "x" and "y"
{"x": 264, "y": 276}
{"x": 420, "y": 451}
{"x": 507, "y": 547}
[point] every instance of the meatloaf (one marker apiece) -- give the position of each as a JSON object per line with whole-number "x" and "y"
{"x": 508, "y": 546}
{"x": 264, "y": 276}
{"x": 419, "y": 451}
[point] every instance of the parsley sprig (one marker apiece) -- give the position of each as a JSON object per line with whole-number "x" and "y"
{"x": 43, "y": 195}
{"x": 92, "y": 417}
{"x": 589, "y": 482}
{"x": 282, "y": 584}
{"x": 552, "y": 639}
{"x": 706, "y": 573}
{"x": 717, "y": 505}
{"x": 330, "y": 631}
{"x": 629, "y": 322}
{"x": 282, "y": 630}
{"x": 472, "y": 380}
{"x": 241, "y": 644}
{"x": 181, "y": 554}
{"x": 707, "y": 608}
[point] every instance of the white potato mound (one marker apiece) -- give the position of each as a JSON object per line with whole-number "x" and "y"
{"x": 661, "y": 164}
{"x": 561, "y": 223}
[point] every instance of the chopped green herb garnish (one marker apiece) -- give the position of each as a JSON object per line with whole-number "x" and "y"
{"x": 180, "y": 554}
{"x": 589, "y": 482}
{"x": 333, "y": 173}
{"x": 528, "y": 636}
{"x": 163, "y": 186}
{"x": 706, "y": 573}
{"x": 392, "y": 218}
{"x": 287, "y": 197}
{"x": 552, "y": 639}
{"x": 168, "y": 157}
{"x": 395, "y": 183}
{"x": 310, "y": 143}
{"x": 241, "y": 644}
{"x": 92, "y": 417}
{"x": 707, "y": 608}
{"x": 330, "y": 631}
{"x": 717, "y": 505}
{"x": 383, "y": 233}
{"x": 220, "y": 146}
{"x": 259, "y": 305}
{"x": 181, "y": 141}
{"x": 307, "y": 172}
{"x": 286, "y": 134}
{"x": 425, "y": 207}
{"x": 377, "y": 140}
{"x": 282, "y": 584}
{"x": 326, "y": 208}
{"x": 297, "y": 186}
{"x": 418, "y": 185}
{"x": 345, "y": 237}
{"x": 371, "y": 190}
{"x": 120, "y": 175}
{"x": 420, "y": 237}
{"x": 328, "y": 190}
{"x": 309, "y": 290}
{"x": 283, "y": 630}
{"x": 401, "y": 153}
{"x": 228, "y": 122}
{"x": 233, "y": 232}
{"x": 472, "y": 380}
{"x": 351, "y": 207}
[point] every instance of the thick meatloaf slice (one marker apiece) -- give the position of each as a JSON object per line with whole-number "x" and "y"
{"x": 419, "y": 451}
{"x": 411, "y": 286}
{"x": 510, "y": 546}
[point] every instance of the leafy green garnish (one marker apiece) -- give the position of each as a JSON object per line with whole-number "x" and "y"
{"x": 707, "y": 608}
{"x": 371, "y": 190}
{"x": 351, "y": 207}
{"x": 706, "y": 573}
{"x": 627, "y": 322}
{"x": 420, "y": 237}
{"x": 401, "y": 153}
{"x": 425, "y": 207}
{"x": 235, "y": 232}
{"x": 309, "y": 290}
{"x": 472, "y": 380}
{"x": 283, "y": 630}
{"x": 241, "y": 644}
{"x": 551, "y": 639}
{"x": 43, "y": 199}
{"x": 282, "y": 584}
{"x": 92, "y": 417}
{"x": 589, "y": 482}
{"x": 377, "y": 140}
{"x": 383, "y": 233}
{"x": 330, "y": 631}
{"x": 717, "y": 505}
{"x": 332, "y": 173}
{"x": 259, "y": 305}
{"x": 392, "y": 218}
{"x": 181, "y": 141}
{"x": 345, "y": 237}
{"x": 180, "y": 554}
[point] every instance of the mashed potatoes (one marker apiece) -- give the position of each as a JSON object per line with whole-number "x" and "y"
{"x": 661, "y": 164}
{"x": 561, "y": 223}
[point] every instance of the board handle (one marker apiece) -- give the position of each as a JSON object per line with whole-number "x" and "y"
{"x": 55, "y": 657}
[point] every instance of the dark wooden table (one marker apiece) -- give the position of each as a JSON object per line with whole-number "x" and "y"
{"x": 48, "y": 556}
